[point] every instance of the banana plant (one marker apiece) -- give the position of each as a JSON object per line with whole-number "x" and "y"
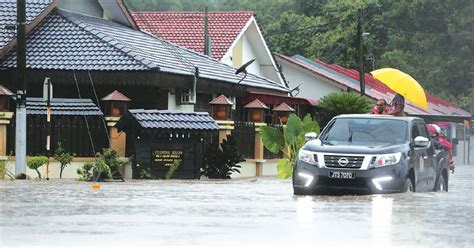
{"x": 288, "y": 141}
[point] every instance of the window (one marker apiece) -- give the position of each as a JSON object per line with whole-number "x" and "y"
{"x": 414, "y": 131}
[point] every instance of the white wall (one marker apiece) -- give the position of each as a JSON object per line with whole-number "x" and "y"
{"x": 172, "y": 104}
{"x": 248, "y": 54}
{"x": 312, "y": 86}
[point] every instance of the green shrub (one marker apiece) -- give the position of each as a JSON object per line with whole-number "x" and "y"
{"x": 172, "y": 169}
{"x": 85, "y": 172}
{"x": 338, "y": 103}
{"x": 221, "y": 162}
{"x": 289, "y": 141}
{"x": 63, "y": 157}
{"x": 107, "y": 165}
{"x": 36, "y": 162}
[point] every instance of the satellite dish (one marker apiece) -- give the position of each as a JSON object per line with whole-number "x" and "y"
{"x": 244, "y": 66}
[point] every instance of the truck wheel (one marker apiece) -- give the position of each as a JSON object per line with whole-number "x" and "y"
{"x": 409, "y": 185}
{"x": 442, "y": 185}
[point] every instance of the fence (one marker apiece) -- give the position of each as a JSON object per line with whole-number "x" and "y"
{"x": 70, "y": 131}
{"x": 244, "y": 132}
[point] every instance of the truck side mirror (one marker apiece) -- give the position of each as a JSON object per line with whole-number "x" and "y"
{"x": 421, "y": 141}
{"x": 310, "y": 136}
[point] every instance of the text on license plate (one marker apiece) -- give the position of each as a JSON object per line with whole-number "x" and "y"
{"x": 342, "y": 174}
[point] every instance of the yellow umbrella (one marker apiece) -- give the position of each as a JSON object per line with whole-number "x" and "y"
{"x": 403, "y": 84}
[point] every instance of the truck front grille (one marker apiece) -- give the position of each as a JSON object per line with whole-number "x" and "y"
{"x": 338, "y": 161}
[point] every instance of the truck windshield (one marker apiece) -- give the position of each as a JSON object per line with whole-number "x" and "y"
{"x": 365, "y": 132}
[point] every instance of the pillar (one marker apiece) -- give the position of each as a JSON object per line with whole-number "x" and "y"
{"x": 117, "y": 139}
{"x": 225, "y": 128}
{"x": 259, "y": 149}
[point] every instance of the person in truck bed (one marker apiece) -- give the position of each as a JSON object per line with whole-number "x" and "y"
{"x": 380, "y": 108}
{"x": 441, "y": 142}
{"x": 397, "y": 106}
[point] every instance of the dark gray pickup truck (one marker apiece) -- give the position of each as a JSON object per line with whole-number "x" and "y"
{"x": 370, "y": 154}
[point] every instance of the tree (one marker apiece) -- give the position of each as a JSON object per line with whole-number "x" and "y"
{"x": 63, "y": 157}
{"x": 289, "y": 141}
{"x": 36, "y": 162}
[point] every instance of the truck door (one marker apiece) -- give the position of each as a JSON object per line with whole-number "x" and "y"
{"x": 429, "y": 158}
{"x": 419, "y": 161}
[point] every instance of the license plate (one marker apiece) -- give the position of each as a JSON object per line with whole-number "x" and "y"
{"x": 342, "y": 174}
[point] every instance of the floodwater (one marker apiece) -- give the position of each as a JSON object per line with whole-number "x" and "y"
{"x": 256, "y": 212}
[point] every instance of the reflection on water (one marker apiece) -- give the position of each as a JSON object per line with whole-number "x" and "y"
{"x": 230, "y": 213}
{"x": 381, "y": 220}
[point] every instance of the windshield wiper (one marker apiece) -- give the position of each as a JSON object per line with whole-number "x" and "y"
{"x": 327, "y": 142}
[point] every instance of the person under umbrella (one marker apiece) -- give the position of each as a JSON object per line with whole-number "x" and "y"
{"x": 397, "y": 106}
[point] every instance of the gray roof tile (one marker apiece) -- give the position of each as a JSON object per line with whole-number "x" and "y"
{"x": 68, "y": 40}
{"x": 62, "y": 106}
{"x": 8, "y": 16}
{"x": 165, "y": 119}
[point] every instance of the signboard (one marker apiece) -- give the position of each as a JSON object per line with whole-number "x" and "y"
{"x": 166, "y": 157}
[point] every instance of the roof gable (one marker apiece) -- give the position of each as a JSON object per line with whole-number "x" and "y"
{"x": 187, "y": 28}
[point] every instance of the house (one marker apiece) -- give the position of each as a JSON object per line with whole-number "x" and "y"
{"x": 89, "y": 57}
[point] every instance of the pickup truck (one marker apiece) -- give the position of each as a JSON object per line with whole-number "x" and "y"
{"x": 367, "y": 154}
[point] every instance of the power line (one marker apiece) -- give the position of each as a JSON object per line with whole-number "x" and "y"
{"x": 339, "y": 47}
{"x": 430, "y": 34}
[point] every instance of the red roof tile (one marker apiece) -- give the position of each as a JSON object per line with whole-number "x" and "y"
{"x": 284, "y": 108}
{"x": 187, "y": 28}
{"x": 4, "y": 91}
{"x": 221, "y": 100}
{"x": 256, "y": 104}
{"x": 116, "y": 96}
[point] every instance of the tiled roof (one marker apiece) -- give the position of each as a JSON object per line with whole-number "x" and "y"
{"x": 67, "y": 40}
{"x": 221, "y": 100}
{"x": 257, "y": 104}
{"x": 165, "y": 119}
{"x": 116, "y": 96}
{"x": 4, "y": 91}
{"x": 283, "y": 108}
{"x": 187, "y": 28}
{"x": 8, "y": 16}
{"x": 374, "y": 88}
{"x": 62, "y": 106}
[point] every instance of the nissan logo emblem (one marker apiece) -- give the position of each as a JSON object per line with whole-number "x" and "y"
{"x": 343, "y": 162}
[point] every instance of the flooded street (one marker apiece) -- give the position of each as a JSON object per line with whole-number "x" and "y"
{"x": 261, "y": 211}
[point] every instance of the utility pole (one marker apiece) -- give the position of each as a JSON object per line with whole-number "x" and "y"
{"x": 360, "y": 40}
{"x": 20, "y": 142}
{"x": 207, "y": 48}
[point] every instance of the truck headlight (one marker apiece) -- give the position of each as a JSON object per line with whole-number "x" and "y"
{"x": 385, "y": 160}
{"x": 308, "y": 157}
